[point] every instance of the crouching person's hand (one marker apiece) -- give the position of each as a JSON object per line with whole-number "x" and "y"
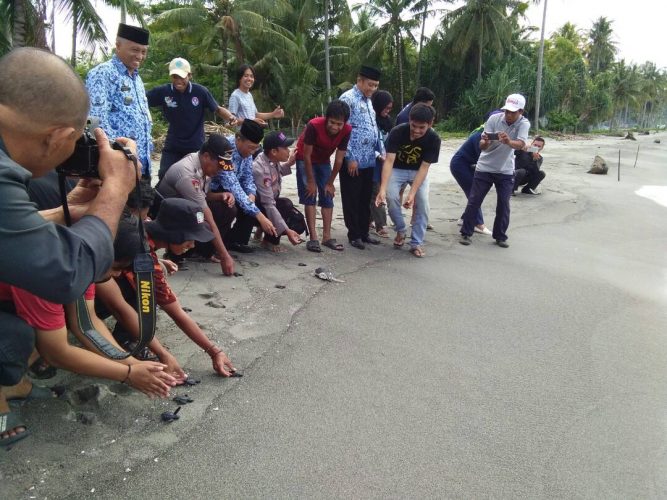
{"x": 150, "y": 378}
{"x": 173, "y": 368}
{"x": 221, "y": 363}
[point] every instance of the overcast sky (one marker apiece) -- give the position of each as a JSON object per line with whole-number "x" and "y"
{"x": 636, "y": 24}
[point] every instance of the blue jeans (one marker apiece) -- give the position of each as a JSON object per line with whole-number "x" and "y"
{"x": 481, "y": 185}
{"x": 400, "y": 178}
{"x": 463, "y": 173}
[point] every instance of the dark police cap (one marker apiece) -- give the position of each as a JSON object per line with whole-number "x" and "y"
{"x": 370, "y": 72}
{"x": 179, "y": 220}
{"x": 252, "y": 131}
{"x": 277, "y": 140}
{"x": 219, "y": 146}
{"x": 134, "y": 34}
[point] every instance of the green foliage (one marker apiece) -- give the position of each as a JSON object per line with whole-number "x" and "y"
{"x": 562, "y": 121}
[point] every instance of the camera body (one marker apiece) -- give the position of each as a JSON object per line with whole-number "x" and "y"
{"x": 85, "y": 159}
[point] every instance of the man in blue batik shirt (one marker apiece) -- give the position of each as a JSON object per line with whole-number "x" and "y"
{"x": 356, "y": 174}
{"x": 238, "y": 180}
{"x": 117, "y": 94}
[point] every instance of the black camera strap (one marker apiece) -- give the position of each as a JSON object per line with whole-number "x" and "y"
{"x": 145, "y": 288}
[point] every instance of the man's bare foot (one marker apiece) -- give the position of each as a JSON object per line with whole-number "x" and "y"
{"x": 272, "y": 248}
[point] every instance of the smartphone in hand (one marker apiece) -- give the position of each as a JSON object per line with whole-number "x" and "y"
{"x": 492, "y": 136}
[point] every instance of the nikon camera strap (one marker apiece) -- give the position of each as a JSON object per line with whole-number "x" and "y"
{"x": 145, "y": 288}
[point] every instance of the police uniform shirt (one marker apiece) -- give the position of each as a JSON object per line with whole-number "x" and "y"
{"x": 184, "y": 111}
{"x": 185, "y": 179}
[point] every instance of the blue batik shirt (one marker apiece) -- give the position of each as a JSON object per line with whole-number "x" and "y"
{"x": 364, "y": 143}
{"x": 118, "y": 99}
{"x": 239, "y": 180}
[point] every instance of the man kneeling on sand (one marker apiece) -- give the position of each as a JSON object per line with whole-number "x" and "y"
{"x": 267, "y": 170}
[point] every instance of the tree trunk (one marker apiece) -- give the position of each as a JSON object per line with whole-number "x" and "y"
{"x": 538, "y": 85}
{"x": 327, "y": 70}
{"x": 74, "y": 30}
{"x": 421, "y": 44}
{"x": 399, "y": 62}
{"x": 18, "y": 33}
{"x": 123, "y": 12}
{"x": 53, "y": 27}
{"x": 225, "y": 76}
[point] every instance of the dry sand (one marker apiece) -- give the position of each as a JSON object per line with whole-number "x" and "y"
{"x": 101, "y": 428}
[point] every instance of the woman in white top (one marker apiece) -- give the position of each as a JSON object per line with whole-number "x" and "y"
{"x": 241, "y": 103}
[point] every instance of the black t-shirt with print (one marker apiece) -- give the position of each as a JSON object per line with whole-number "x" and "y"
{"x": 411, "y": 154}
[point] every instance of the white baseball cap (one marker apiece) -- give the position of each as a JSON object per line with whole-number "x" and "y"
{"x": 180, "y": 67}
{"x": 514, "y": 102}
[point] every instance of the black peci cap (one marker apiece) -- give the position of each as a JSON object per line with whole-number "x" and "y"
{"x": 370, "y": 72}
{"x": 134, "y": 34}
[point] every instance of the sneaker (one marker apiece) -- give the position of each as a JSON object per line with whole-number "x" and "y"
{"x": 529, "y": 191}
{"x": 502, "y": 244}
{"x": 485, "y": 230}
{"x": 465, "y": 240}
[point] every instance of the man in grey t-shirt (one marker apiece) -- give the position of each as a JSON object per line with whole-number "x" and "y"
{"x": 503, "y": 133}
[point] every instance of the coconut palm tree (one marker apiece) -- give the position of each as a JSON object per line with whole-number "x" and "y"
{"x": 601, "y": 48}
{"x": 390, "y": 34}
{"x": 479, "y": 26}
{"x": 210, "y": 30}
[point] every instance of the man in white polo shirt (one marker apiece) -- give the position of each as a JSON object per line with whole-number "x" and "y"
{"x": 503, "y": 133}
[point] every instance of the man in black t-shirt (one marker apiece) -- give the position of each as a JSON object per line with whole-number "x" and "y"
{"x": 527, "y": 163}
{"x": 411, "y": 148}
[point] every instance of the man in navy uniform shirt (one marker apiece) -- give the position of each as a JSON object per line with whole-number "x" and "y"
{"x": 183, "y": 106}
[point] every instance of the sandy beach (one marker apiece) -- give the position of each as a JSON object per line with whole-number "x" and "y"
{"x": 101, "y": 438}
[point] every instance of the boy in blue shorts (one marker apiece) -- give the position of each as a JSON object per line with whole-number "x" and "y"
{"x": 315, "y": 177}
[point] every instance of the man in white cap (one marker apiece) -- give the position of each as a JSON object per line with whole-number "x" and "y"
{"x": 183, "y": 104}
{"x": 117, "y": 94}
{"x": 503, "y": 133}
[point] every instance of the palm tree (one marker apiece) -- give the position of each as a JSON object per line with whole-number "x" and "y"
{"x": 601, "y": 49}
{"x": 209, "y": 31}
{"x": 87, "y": 25}
{"x": 477, "y": 26}
{"x": 22, "y": 23}
{"x": 423, "y": 9}
{"x": 390, "y": 34}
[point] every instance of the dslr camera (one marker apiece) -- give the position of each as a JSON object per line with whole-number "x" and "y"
{"x": 86, "y": 156}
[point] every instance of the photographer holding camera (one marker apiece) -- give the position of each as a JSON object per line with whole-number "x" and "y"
{"x": 43, "y": 109}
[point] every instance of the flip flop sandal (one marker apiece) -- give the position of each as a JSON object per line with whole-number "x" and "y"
{"x": 41, "y": 370}
{"x": 382, "y": 232}
{"x": 399, "y": 241}
{"x": 314, "y": 246}
{"x": 183, "y": 400}
{"x": 8, "y": 422}
{"x": 334, "y": 245}
{"x": 417, "y": 251}
{"x": 36, "y": 392}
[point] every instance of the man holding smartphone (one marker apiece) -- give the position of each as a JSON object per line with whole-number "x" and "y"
{"x": 503, "y": 133}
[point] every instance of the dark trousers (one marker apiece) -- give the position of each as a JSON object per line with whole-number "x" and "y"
{"x": 240, "y": 232}
{"x": 531, "y": 178}
{"x": 481, "y": 184}
{"x": 355, "y": 192}
{"x": 223, "y": 216}
{"x": 464, "y": 173}
{"x": 168, "y": 158}
{"x": 17, "y": 341}
{"x": 284, "y": 206}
